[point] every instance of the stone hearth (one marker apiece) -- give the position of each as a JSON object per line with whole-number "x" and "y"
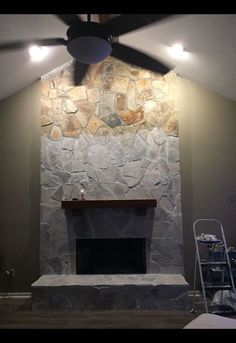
{"x": 110, "y": 292}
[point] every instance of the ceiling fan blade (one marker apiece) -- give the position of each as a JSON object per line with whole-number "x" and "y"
{"x": 125, "y": 23}
{"x": 104, "y": 18}
{"x": 138, "y": 58}
{"x": 69, "y": 19}
{"x": 25, "y": 44}
{"x": 79, "y": 72}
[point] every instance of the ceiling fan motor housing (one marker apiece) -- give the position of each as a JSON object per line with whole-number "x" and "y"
{"x": 89, "y": 42}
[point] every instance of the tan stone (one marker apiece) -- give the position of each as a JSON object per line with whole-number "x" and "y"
{"x": 153, "y": 116}
{"x": 160, "y": 85}
{"x": 95, "y": 75}
{"x": 157, "y": 76}
{"x": 124, "y": 131}
{"x": 83, "y": 118}
{"x": 131, "y": 97}
{"x": 63, "y": 123}
{"x": 94, "y": 124}
{"x": 161, "y": 96}
{"x": 140, "y": 73}
{"x": 131, "y": 117}
{"x": 96, "y": 111}
{"x": 107, "y": 82}
{"x": 61, "y": 94}
{"x": 141, "y": 125}
{"x": 98, "y": 69}
{"x": 172, "y": 125}
{"x": 53, "y": 93}
{"x": 109, "y": 68}
{"x": 130, "y": 71}
{"x": 143, "y": 84}
{"x": 161, "y": 90}
{"x": 103, "y": 131}
{"x": 120, "y": 102}
{"x": 55, "y": 133}
{"x": 149, "y": 106}
{"x": 53, "y": 84}
{"x": 71, "y": 127}
{"x": 97, "y": 82}
{"x": 93, "y": 95}
{"x": 69, "y": 106}
{"x": 45, "y": 87}
{"x": 139, "y": 99}
{"x": 134, "y": 73}
{"x": 115, "y": 83}
{"x": 144, "y": 73}
{"x": 73, "y": 134}
{"x": 108, "y": 100}
{"x": 170, "y": 77}
{"x": 77, "y": 93}
{"x": 57, "y": 104}
{"x": 122, "y": 69}
{"x": 112, "y": 59}
{"x": 167, "y": 106}
{"x": 46, "y": 105}
{"x": 163, "y": 116}
{"x": 58, "y": 116}
{"x": 146, "y": 94}
{"x": 45, "y": 129}
{"x": 45, "y": 120}
{"x": 65, "y": 83}
{"x": 85, "y": 107}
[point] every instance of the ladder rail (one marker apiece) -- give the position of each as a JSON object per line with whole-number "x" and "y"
{"x": 228, "y": 260}
{"x": 194, "y": 282}
{"x": 198, "y": 261}
{"x": 200, "y": 270}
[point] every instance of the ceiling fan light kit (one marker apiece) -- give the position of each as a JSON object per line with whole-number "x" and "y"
{"x": 88, "y": 42}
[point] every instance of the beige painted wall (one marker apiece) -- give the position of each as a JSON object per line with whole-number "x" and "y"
{"x": 20, "y": 186}
{"x": 208, "y": 169}
{"x": 207, "y": 126}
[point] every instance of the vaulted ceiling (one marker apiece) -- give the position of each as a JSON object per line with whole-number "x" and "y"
{"x": 209, "y": 39}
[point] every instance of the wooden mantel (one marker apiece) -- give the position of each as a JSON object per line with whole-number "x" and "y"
{"x": 125, "y": 203}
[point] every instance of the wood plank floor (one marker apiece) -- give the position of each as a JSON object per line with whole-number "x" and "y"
{"x": 17, "y": 314}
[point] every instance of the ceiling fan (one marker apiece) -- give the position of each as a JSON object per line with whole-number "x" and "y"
{"x": 90, "y": 42}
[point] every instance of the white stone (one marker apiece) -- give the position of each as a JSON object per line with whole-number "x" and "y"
{"x": 132, "y": 169}
{"x": 149, "y": 105}
{"x": 93, "y": 95}
{"x": 139, "y": 148}
{"x": 69, "y": 106}
{"x": 151, "y": 178}
{"x": 173, "y": 149}
{"x": 68, "y": 143}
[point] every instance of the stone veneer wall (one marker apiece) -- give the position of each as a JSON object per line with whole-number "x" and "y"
{"x": 117, "y": 134}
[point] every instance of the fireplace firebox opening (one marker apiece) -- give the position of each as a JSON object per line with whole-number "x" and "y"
{"x": 111, "y": 256}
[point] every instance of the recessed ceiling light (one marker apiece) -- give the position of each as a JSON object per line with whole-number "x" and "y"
{"x": 37, "y": 53}
{"x": 177, "y": 51}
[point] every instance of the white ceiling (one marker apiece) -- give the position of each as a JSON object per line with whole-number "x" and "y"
{"x": 210, "y": 40}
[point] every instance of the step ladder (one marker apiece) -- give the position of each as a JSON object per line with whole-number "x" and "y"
{"x": 209, "y": 260}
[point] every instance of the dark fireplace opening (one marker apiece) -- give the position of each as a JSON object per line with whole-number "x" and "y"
{"x": 111, "y": 256}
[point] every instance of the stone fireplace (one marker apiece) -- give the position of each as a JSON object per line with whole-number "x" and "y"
{"x": 117, "y": 135}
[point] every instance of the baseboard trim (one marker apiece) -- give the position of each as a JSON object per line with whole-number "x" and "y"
{"x": 29, "y": 295}
{"x": 15, "y": 295}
